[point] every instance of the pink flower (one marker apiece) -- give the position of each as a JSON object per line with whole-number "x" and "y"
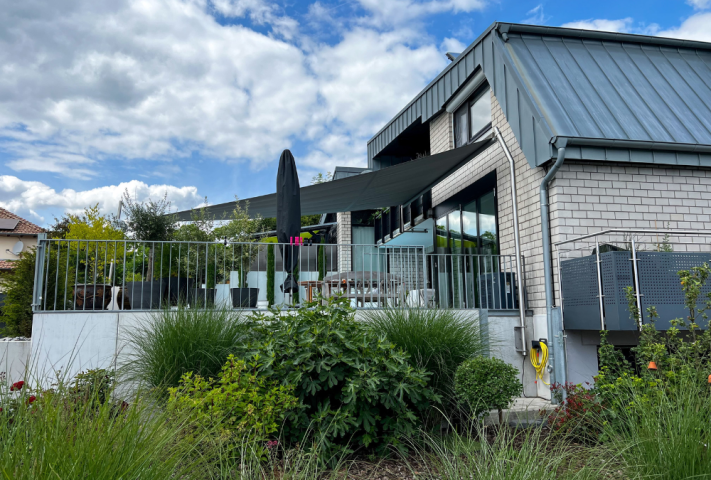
{"x": 271, "y": 444}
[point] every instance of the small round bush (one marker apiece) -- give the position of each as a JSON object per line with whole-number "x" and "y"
{"x": 485, "y": 384}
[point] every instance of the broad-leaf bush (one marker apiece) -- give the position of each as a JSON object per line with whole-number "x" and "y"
{"x": 357, "y": 391}
{"x": 485, "y": 384}
{"x": 238, "y": 408}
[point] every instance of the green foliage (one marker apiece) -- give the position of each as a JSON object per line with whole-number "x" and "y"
{"x": 18, "y": 285}
{"x": 93, "y": 387}
{"x": 238, "y": 407}
{"x": 437, "y": 341}
{"x": 52, "y": 434}
{"x": 174, "y": 342}
{"x": 150, "y": 220}
{"x": 485, "y": 384}
{"x": 92, "y": 225}
{"x": 271, "y": 272}
{"x": 357, "y": 390}
{"x": 578, "y": 414}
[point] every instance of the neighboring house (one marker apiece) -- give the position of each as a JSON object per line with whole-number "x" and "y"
{"x": 16, "y": 236}
{"x": 620, "y": 122}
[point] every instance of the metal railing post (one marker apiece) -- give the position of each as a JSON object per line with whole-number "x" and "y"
{"x": 636, "y": 284}
{"x": 599, "y": 284}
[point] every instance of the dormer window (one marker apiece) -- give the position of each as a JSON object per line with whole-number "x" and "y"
{"x": 473, "y": 118}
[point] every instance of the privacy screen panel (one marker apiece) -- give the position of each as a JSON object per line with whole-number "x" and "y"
{"x": 617, "y": 274}
{"x": 660, "y": 286}
{"x": 581, "y": 307}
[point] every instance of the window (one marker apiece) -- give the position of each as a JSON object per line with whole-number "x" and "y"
{"x": 473, "y": 118}
{"x": 471, "y": 228}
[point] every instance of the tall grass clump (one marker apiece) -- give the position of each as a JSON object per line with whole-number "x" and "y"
{"x": 437, "y": 340}
{"x": 506, "y": 454}
{"x": 173, "y": 342}
{"x": 58, "y": 434}
{"x": 665, "y": 433}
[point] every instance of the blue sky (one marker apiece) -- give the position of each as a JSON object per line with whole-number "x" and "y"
{"x": 197, "y": 98}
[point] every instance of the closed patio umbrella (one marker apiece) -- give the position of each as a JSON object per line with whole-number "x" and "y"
{"x": 288, "y": 217}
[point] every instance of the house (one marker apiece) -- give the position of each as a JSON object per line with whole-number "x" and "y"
{"x": 16, "y": 236}
{"x": 495, "y": 189}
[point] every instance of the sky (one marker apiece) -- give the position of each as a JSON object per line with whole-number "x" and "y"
{"x": 197, "y": 98}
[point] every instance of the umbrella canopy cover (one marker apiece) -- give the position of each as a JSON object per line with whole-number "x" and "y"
{"x": 288, "y": 216}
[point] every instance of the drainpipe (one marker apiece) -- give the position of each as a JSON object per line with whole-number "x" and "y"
{"x": 556, "y": 376}
{"x": 517, "y": 241}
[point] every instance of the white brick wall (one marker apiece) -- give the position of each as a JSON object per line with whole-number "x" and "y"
{"x": 441, "y": 133}
{"x": 344, "y": 234}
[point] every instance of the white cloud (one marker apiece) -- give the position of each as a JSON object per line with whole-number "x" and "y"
{"x": 696, "y": 27}
{"x": 22, "y": 197}
{"x": 452, "y": 45}
{"x": 699, "y": 4}
{"x": 621, "y": 25}
{"x": 536, "y": 16}
{"x": 83, "y": 83}
{"x": 401, "y": 12}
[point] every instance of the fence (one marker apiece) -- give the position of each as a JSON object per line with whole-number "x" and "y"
{"x": 99, "y": 275}
{"x": 594, "y": 287}
{"x": 474, "y": 281}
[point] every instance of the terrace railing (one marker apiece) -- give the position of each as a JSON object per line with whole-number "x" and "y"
{"x": 100, "y": 275}
{"x": 466, "y": 281}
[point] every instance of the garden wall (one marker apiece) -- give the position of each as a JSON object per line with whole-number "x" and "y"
{"x": 73, "y": 342}
{"x": 13, "y": 360}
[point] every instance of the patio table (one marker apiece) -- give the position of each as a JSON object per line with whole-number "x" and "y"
{"x": 364, "y": 286}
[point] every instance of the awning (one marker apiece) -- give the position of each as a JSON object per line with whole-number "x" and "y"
{"x": 396, "y": 185}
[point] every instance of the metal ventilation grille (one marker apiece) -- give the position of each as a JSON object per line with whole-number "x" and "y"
{"x": 580, "y": 303}
{"x": 616, "y": 271}
{"x": 659, "y": 283}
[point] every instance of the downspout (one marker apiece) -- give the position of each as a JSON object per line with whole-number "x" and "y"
{"x": 517, "y": 242}
{"x": 556, "y": 377}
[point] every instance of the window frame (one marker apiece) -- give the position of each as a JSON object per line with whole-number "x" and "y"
{"x": 478, "y": 94}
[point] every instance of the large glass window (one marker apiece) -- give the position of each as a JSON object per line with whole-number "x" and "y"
{"x": 473, "y": 118}
{"x": 470, "y": 229}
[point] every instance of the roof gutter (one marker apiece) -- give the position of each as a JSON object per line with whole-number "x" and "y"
{"x": 555, "y": 338}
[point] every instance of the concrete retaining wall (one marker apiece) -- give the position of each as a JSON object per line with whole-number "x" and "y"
{"x": 73, "y": 342}
{"x": 14, "y": 357}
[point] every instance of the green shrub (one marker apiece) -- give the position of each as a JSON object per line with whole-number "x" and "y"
{"x": 485, "y": 384}
{"x": 239, "y": 407}
{"x": 436, "y": 340}
{"x": 357, "y": 390}
{"x": 174, "y": 342}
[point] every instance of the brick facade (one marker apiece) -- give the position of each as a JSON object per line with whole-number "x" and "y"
{"x": 344, "y": 234}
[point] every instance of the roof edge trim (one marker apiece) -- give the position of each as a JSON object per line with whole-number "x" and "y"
{"x": 637, "y": 144}
{"x": 599, "y": 35}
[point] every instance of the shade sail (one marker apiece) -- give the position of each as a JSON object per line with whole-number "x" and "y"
{"x": 390, "y": 186}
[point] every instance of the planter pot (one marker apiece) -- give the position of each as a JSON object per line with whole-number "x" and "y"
{"x": 146, "y": 295}
{"x": 181, "y": 290}
{"x": 244, "y": 297}
{"x": 91, "y": 296}
{"x": 202, "y": 297}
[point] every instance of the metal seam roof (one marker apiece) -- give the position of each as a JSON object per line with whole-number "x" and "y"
{"x": 613, "y": 89}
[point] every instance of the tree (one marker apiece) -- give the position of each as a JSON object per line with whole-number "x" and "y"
{"x": 321, "y": 178}
{"x": 150, "y": 221}
{"x": 18, "y": 285}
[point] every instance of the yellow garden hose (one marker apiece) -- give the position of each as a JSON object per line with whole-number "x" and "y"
{"x": 539, "y": 360}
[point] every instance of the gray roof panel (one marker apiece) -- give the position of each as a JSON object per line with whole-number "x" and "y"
{"x": 644, "y": 92}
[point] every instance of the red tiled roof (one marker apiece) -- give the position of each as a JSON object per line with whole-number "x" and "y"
{"x": 7, "y": 264}
{"x": 23, "y": 226}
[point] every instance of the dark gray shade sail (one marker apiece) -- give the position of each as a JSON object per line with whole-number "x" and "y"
{"x": 390, "y": 186}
